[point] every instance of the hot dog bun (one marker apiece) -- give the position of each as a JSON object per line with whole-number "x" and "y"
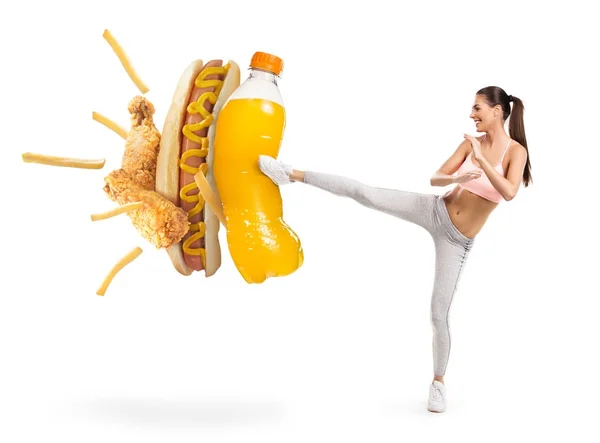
{"x": 169, "y": 173}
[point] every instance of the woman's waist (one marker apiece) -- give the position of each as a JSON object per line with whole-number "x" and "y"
{"x": 467, "y": 211}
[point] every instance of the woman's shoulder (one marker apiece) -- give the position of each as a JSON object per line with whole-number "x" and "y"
{"x": 515, "y": 150}
{"x": 515, "y": 146}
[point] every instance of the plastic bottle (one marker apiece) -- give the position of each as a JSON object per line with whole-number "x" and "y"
{"x": 252, "y": 123}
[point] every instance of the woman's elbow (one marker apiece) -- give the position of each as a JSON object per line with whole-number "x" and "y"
{"x": 510, "y": 195}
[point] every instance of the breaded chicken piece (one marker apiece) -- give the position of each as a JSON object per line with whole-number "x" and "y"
{"x": 159, "y": 220}
{"x": 142, "y": 145}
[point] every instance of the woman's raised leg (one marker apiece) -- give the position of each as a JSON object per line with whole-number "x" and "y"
{"x": 414, "y": 207}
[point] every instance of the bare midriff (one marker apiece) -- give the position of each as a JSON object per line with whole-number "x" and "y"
{"x": 468, "y": 211}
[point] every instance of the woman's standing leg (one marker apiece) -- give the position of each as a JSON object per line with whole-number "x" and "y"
{"x": 452, "y": 250}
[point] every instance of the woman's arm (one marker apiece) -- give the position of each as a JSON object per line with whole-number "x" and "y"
{"x": 509, "y": 186}
{"x": 442, "y": 179}
{"x": 444, "y": 176}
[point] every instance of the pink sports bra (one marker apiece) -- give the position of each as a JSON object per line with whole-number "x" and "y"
{"x": 482, "y": 185}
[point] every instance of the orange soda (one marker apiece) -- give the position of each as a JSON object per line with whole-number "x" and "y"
{"x": 250, "y": 124}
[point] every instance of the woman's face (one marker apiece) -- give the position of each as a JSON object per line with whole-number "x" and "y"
{"x": 482, "y": 114}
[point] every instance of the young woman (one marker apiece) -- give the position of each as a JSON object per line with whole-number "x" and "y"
{"x": 486, "y": 171}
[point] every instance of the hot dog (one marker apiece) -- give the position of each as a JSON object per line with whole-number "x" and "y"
{"x": 185, "y": 150}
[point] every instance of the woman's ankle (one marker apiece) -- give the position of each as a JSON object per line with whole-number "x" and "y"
{"x": 297, "y": 176}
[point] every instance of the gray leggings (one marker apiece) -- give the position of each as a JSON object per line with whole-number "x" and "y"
{"x": 428, "y": 211}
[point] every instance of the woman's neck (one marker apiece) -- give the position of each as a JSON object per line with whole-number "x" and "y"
{"x": 495, "y": 134}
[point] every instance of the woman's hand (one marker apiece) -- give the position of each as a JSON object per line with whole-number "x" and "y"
{"x": 475, "y": 146}
{"x": 467, "y": 177}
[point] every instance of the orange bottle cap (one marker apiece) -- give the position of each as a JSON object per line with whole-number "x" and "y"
{"x": 268, "y": 62}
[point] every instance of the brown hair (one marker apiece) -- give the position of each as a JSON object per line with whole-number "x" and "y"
{"x": 516, "y": 128}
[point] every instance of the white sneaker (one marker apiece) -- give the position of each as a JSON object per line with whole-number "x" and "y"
{"x": 276, "y": 170}
{"x": 437, "y": 397}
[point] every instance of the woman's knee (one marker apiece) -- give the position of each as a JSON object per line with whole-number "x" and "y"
{"x": 439, "y": 322}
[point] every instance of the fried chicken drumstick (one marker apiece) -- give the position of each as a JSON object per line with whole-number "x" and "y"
{"x": 158, "y": 220}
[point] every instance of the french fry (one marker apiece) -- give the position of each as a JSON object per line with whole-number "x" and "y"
{"x": 116, "y": 211}
{"x": 116, "y": 47}
{"x": 210, "y": 197}
{"x": 124, "y": 261}
{"x": 110, "y": 124}
{"x": 68, "y": 162}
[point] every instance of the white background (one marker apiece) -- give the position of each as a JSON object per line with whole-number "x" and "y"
{"x": 340, "y": 350}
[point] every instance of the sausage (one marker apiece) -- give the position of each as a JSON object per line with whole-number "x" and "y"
{"x": 186, "y": 178}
